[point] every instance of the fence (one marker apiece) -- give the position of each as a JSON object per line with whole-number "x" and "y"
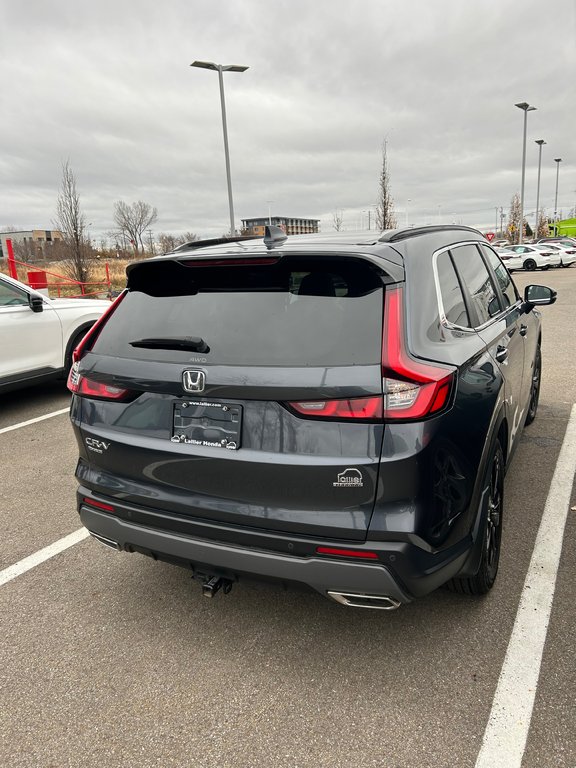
{"x": 38, "y": 279}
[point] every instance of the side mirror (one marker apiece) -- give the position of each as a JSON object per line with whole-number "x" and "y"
{"x": 36, "y": 303}
{"x": 538, "y": 295}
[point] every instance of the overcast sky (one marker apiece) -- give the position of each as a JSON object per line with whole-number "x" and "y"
{"x": 108, "y": 86}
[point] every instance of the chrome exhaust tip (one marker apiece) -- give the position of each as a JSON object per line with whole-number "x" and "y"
{"x": 107, "y": 542}
{"x": 377, "y": 602}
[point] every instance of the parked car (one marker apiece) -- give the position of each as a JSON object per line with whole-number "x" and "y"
{"x": 567, "y": 254}
{"x": 38, "y": 334}
{"x": 333, "y": 410}
{"x": 569, "y": 242}
{"x": 512, "y": 261}
{"x": 535, "y": 257}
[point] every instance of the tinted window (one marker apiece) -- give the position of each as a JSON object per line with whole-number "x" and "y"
{"x": 504, "y": 280}
{"x": 292, "y": 313}
{"x": 452, "y": 299}
{"x": 477, "y": 281}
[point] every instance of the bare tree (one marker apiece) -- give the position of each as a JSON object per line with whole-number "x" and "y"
{"x": 338, "y": 218}
{"x": 72, "y": 223}
{"x": 513, "y": 227}
{"x": 187, "y": 237}
{"x": 542, "y": 230}
{"x": 26, "y": 250}
{"x": 385, "y": 216}
{"x": 133, "y": 220}
{"x": 169, "y": 241}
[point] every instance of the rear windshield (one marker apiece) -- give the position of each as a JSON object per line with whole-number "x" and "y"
{"x": 305, "y": 312}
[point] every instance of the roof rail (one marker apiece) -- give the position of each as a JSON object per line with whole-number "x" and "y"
{"x": 396, "y": 235}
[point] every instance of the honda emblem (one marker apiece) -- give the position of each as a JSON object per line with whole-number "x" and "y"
{"x": 193, "y": 381}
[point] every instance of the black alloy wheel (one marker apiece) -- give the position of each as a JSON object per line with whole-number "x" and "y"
{"x": 529, "y": 265}
{"x": 535, "y": 387}
{"x": 483, "y": 580}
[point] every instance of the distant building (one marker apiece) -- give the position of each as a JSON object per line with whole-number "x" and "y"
{"x": 290, "y": 226}
{"x": 33, "y": 241}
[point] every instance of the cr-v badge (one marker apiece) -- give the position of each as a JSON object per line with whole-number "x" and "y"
{"x": 193, "y": 381}
{"x": 98, "y": 446}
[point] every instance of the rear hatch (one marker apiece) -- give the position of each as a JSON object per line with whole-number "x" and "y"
{"x": 241, "y": 391}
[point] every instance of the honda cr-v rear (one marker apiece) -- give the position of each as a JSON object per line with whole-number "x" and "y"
{"x": 303, "y": 409}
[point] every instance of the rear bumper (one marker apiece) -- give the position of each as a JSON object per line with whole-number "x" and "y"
{"x": 406, "y": 568}
{"x": 322, "y": 574}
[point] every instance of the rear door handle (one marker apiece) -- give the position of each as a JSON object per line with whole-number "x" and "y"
{"x": 501, "y": 353}
{"x": 523, "y": 330}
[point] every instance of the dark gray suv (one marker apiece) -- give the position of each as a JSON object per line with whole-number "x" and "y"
{"x": 336, "y": 411}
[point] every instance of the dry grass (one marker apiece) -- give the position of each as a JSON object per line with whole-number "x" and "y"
{"x": 117, "y": 270}
{"x": 116, "y": 267}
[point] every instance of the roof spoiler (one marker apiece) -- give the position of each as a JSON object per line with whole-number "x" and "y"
{"x": 273, "y": 236}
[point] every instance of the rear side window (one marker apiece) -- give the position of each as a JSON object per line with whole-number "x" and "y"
{"x": 295, "y": 312}
{"x": 451, "y": 292}
{"x": 477, "y": 281}
{"x": 503, "y": 277}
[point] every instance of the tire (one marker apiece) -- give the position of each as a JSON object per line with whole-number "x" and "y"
{"x": 71, "y": 347}
{"x": 529, "y": 265}
{"x": 483, "y": 580}
{"x": 535, "y": 387}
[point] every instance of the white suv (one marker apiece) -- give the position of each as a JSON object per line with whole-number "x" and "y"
{"x": 38, "y": 334}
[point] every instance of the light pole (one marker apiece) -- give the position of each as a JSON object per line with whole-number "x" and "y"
{"x": 540, "y": 142}
{"x": 220, "y": 68}
{"x": 557, "y": 160}
{"x": 526, "y": 108}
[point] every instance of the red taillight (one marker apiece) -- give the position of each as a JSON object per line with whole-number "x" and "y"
{"x": 336, "y": 552}
{"x": 412, "y": 389}
{"x": 358, "y": 408}
{"x": 88, "y": 341}
{"x": 98, "y": 504}
{"x": 79, "y": 384}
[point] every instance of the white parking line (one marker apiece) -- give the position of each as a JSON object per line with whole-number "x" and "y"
{"x": 34, "y": 421}
{"x": 505, "y": 737}
{"x": 42, "y": 555}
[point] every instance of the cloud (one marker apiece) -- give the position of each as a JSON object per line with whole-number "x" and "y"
{"x": 109, "y": 87}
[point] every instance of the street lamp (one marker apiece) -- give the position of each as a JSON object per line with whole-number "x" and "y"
{"x": 557, "y": 160}
{"x": 526, "y": 108}
{"x": 540, "y": 142}
{"x": 220, "y": 68}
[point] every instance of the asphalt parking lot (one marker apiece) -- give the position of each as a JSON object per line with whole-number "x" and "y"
{"x": 113, "y": 660}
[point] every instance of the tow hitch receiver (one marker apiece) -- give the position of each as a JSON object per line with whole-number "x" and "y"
{"x": 213, "y": 585}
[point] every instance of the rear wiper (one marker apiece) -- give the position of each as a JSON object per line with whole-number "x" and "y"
{"x": 190, "y": 343}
